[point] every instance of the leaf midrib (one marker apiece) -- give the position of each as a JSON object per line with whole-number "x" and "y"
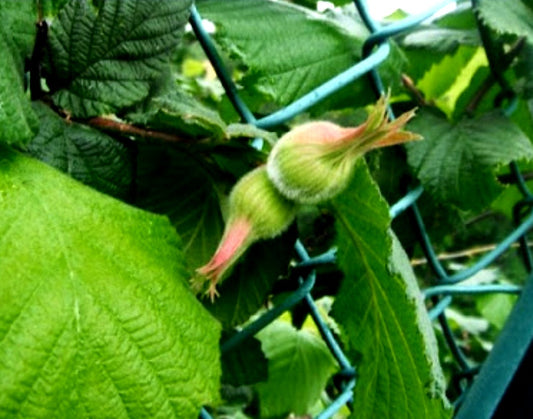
{"x": 375, "y": 285}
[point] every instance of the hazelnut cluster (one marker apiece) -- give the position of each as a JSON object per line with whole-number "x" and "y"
{"x": 310, "y": 164}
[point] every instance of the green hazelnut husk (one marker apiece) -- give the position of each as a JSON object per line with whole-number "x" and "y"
{"x": 315, "y": 161}
{"x": 256, "y": 211}
{"x": 256, "y": 199}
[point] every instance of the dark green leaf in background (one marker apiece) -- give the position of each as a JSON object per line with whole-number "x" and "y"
{"x": 96, "y": 316}
{"x": 523, "y": 116}
{"x": 427, "y": 45}
{"x": 245, "y": 364}
{"x": 299, "y": 365}
{"x": 443, "y": 40}
{"x": 287, "y": 50}
{"x": 381, "y": 313}
{"x": 84, "y": 153}
{"x": 51, "y": 8}
{"x": 510, "y": 17}
{"x": 246, "y": 289}
{"x": 106, "y": 59}
{"x": 524, "y": 72}
{"x": 179, "y": 112}
{"x": 18, "y": 123}
{"x": 177, "y": 184}
{"x": 290, "y": 49}
{"x": 456, "y": 162}
{"x": 496, "y": 308}
{"x": 18, "y": 23}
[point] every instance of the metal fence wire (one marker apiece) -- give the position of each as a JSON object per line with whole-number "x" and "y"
{"x": 480, "y": 388}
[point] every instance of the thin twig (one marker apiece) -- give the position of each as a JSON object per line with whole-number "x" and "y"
{"x": 460, "y": 254}
{"x": 40, "y": 14}
{"x": 417, "y": 95}
{"x": 480, "y": 94}
{"x": 111, "y": 125}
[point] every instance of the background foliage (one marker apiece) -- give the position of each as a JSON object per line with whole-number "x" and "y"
{"x": 96, "y": 315}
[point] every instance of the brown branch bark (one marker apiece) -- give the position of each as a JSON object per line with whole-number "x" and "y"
{"x": 460, "y": 254}
{"x": 123, "y": 128}
{"x": 416, "y": 94}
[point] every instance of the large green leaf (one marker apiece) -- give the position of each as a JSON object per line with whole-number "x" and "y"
{"x": 381, "y": 313}
{"x": 84, "y": 153}
{"x": 96, "y": 318}
{"x": 288, "y": 50}
{"x": 299, "y": 365}
{"x": 106, "y": 59}
{"x": 17, "y": 120}
{"x": 455, "y": 162}
{"x": 512, "y": 17}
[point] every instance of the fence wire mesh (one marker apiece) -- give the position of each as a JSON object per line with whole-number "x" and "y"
{"x": 476, "y": 397}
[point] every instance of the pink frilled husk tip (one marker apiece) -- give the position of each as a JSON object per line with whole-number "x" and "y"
{"x": 376, "y": 132}
{"x": 236, "y": 239}
{"x": 379, "y": 131}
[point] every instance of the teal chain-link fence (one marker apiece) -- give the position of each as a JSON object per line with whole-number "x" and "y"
{"x": 480, "y": 389}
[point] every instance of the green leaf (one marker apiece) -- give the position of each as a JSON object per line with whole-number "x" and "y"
{"x": 444, "y": 40}
{"x": 467, "y": 103}
{"x": 177, "y": 183}
{"x": 245, "y": 291}
{"x": 496, "y": 308}
{"x": 459, "y": 18}
{"x": 380, "y": 310}
{"x": 456, "y": 162}
{"x": 238, "y": 130}
{"x": 523, "y": 116}
{"x": 18, "y": 123}
{"x": 515, "y": 17}
{"x": 524, "y": 72}
{"x": 52, "y": 7}
{"x": 245, "y": 364}
{"x": 18, "y": 20}
{"x": 96, "y": 318}
{"x": 444, "y": 82}
{"x": 283, "y": 51}
{"x": 427, "y": 45}
{"x": 177, "y": 111}
{"x": 106, "y": 59}
{"x": 299, "y": 365}
{"x": 287, "y": 49}
{"x": 236, "y": 158}
{"x": 82, "y": 152}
